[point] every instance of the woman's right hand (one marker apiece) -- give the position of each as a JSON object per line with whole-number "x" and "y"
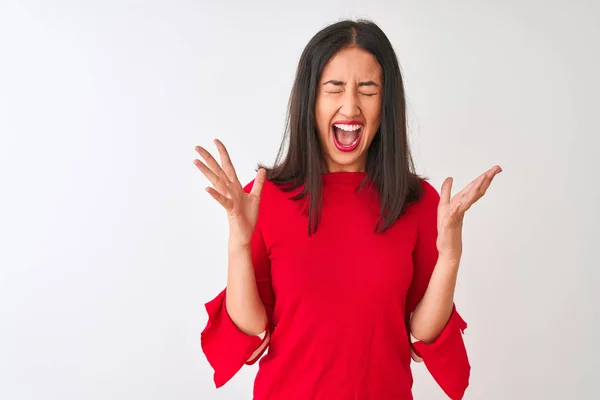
{"x": 241, "y": 207}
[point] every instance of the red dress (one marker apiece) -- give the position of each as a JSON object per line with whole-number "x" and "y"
{"x": 338, "y": 302}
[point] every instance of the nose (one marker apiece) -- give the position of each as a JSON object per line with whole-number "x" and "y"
{"x": 350, "y": 106}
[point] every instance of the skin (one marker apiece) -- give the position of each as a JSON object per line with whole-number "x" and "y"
{"x": 349, "y": 89}
{"x": 242, "y": 302}
{"x": 433, "y": 311}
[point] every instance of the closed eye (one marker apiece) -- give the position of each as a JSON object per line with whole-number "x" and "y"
{"x": 364, "y": 94}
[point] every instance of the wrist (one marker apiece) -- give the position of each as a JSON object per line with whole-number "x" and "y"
{"x": 449, "y": 259}
{"x": 235, "y": 245}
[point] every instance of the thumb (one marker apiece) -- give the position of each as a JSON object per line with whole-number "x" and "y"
{"x": 446, "y": 191}
{"x": 259, "y": 181}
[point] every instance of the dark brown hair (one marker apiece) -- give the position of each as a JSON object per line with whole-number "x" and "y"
{"x": 300, "y": 161}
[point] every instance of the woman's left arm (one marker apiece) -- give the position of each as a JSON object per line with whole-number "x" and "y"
{"x": 435, "y": 307}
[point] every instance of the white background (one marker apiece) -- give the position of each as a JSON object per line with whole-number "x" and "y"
{"x": 109, "y": 246}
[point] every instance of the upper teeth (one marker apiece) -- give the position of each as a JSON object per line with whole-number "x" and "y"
{"x": 348, "y": 128}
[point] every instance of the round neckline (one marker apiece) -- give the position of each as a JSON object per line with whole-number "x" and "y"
{"x": 343, "y": 178}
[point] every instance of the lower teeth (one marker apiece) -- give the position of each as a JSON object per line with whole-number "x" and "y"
{"x": 350, "y": 144}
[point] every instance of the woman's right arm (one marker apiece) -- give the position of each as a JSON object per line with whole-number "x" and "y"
{"x": 242, "y": 205}
{"x": 250, "y": 300}
{"x": 243, "y": 301}
{"x": 233, "y": 337}
{"x": 240, "y": 317}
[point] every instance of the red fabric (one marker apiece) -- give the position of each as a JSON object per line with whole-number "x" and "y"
{"x": 220, "y": 329}
{"x": 446, "y": 358}
{"x": 338, "y": 302}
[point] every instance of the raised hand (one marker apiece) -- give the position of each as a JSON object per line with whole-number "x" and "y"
{"x": 241, "y": 207}
{"x": 451, "y": 212}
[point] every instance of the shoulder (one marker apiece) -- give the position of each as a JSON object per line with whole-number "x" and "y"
{"x": 275, "y": 204}
{"x": 268, "y": 187}
{"x": 248, "y": 186}
{"x": 429, "y": 193}
{"x": 429, "y": 197}
{"x": 271, "y": 196}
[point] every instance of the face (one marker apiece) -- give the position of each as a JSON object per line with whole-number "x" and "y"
{"x": 348, "y": 108}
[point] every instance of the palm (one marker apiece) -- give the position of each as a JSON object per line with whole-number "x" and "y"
{"x": 241, "y": 207}
{"x": 451, "y": 211}
{"x": 245, "y": 213}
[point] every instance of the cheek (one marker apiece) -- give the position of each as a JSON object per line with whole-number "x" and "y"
{"x": 373, "y": 117}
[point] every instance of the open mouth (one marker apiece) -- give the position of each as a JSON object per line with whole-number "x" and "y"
{"x": 347, "y": 135}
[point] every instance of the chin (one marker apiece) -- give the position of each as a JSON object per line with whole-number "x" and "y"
{"x": 349, "y": 162}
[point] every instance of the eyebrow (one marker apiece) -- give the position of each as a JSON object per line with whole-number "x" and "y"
{"x": 360, "y": 84}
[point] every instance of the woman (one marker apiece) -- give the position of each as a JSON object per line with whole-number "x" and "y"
{"x": 341, "y": 271}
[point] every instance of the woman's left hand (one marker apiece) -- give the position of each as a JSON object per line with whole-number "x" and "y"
{"x": 451, "y": 212}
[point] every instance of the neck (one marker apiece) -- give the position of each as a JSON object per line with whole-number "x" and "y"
{"x": 358, "y": 167}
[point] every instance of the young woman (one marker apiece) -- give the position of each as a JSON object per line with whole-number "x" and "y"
{"x": 342, "y": 260}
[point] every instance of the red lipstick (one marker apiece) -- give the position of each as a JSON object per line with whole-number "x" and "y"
{"x": 340, "y": 136}
{"x": 348, "y": 122}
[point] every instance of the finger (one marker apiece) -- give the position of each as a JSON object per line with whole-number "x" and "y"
{"x": 217, "y": 182}
{"x": 490, "y": 172}
{"x": 471, "y": 186}
{"x": 208, "y": 173}
{"x": 496, "y": 169}
{"x": 485, "y": 185}
{"x": 223, "y": 200}
{"x": 226, "y": 161}
{"x": 471, "y": 196}
{"x": 477, "y": 188}
{"x": 259, "y": 181}
{"x": 212, "y": 163}
{"x": 489, "y": 175}
{"x": 477, "y": 191}
{"x": 446, "y": 191}
{"x": 482, "y": 188}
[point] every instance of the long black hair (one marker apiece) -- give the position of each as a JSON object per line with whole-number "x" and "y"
{"x": 300, "y": 161}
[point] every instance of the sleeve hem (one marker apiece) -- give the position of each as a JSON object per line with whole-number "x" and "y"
{"x": 257, "y": 354}
{"x": 226, "y": 347}
{"x": 446, "y": 357}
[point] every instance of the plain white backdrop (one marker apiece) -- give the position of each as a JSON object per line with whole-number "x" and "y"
{"x": 109, "y": 246}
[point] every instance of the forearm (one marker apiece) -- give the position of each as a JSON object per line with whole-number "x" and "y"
{"x": 433, "y": 311}
{"x": 243, "y": 302}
